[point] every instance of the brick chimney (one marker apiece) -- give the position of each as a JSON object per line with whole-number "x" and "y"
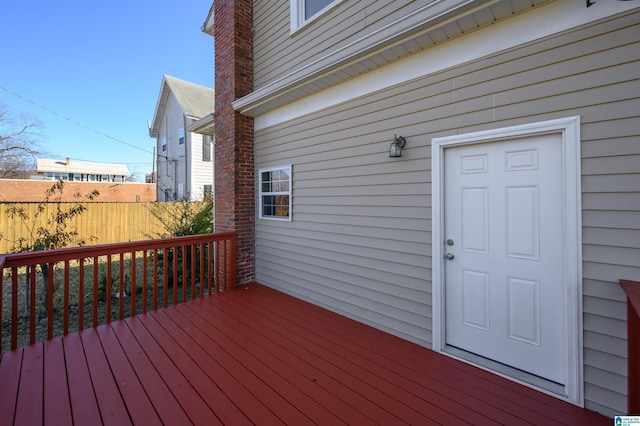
{"x": 234, "y": 170}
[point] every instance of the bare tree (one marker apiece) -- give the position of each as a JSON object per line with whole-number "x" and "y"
{"x": 20, "y": 137}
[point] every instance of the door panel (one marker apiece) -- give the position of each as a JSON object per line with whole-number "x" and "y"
{"x": 504, "y": 292}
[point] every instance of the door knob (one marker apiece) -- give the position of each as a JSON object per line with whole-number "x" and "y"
{"x": 449, "y": 256}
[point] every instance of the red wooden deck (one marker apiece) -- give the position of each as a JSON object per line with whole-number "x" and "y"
{"x": 257, "y": 356}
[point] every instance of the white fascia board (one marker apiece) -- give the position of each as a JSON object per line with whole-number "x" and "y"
{"x": 541, "y": 22}
{"x": 202, "y": 125}
{"x": 161, "y": 104}
{"x": 207, "y": 26}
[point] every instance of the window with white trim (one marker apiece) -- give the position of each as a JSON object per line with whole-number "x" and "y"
{"x": 206, "y": 147}
{"x": 275, "y": 193}
{"x": 303, "y": 11}
{"x": 181, "y": 137}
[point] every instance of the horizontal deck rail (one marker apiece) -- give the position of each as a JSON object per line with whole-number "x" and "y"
{"x": 632, "y": 288}
{"x": 54, "y": 292}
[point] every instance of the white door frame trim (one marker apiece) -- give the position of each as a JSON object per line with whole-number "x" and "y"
{"x": 569, "y": 128}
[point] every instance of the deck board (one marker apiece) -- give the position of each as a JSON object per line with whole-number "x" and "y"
{"x": 157, "y": 390}
{"x": 276, "y": 374}
{"x": 10, "y": 366}
{"x": 138, "y": 403}
{"x": 56, "y": 391}
{"x": 187, "y": 397}
{"x": 113, "y": 410}
{"x": 263, "y": 394}
{"x": 257, "y": 356}
{"x": 349, "y": 405}
{"x": 222, "y": 405}
{"x": 30, "y": 394}
{"x": 338, "y": 376}
{"x": 82, "y": 398}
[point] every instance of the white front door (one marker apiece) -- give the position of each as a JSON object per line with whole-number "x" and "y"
{"x": 504, "y": 274}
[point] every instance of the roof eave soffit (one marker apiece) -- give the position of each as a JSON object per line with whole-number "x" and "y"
{"x": 207, "y": 26}
{"x": 298, "y": 82}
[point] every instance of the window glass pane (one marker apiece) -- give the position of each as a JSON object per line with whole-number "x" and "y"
{"x": 282, "y": 206}
{"x": 266, "y": 182}
{"x": 268, "y": 205}
{"x": 206, "y": 148}
{"x": 311, "y": 7}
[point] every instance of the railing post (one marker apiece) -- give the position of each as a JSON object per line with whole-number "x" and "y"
{"x": 233, "y": 265}
{"x": 632, "y": 288}
{"x": 14, "y": 308}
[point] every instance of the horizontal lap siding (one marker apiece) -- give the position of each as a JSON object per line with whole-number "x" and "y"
{"x": 172, "y": 121}
{"x": 201, "y": 171}
{"x": 360, "y": 239}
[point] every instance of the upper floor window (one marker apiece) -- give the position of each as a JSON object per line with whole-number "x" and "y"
{"x": 206, "y": 147}
{"x": 275, "y": 193}
{"x": 207, "y": 193}
{"x": 164, "y": 144}
{"x": 181, "y": 137}
{"x": 303, "y": 11}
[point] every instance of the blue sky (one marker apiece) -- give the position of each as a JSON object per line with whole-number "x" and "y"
{"x": 99, "y": 64}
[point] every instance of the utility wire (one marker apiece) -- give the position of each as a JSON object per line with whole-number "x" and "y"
{"x": 73, "y": 121}
{"x": 102, "y": 162}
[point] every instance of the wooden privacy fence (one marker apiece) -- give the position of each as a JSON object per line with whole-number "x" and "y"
{"x": 108, "y": 222}
{"x": 51, "y": 293}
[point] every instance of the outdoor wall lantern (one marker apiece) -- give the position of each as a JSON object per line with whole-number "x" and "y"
{"x": 395, "y": 150}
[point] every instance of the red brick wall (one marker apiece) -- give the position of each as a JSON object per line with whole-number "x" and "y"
{"x": 235, "y": 181}
{"x": 19, "y": 190}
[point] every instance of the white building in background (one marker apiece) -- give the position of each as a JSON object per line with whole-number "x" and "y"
{"x": 80, "y": 171}
{"x": 184, "y": 160}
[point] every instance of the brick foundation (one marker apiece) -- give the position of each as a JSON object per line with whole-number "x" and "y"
{"x": 235, "y": 175}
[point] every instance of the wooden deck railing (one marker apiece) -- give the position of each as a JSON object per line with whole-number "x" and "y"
{"x": 632, "y": 288}
{"x": 49, "y": 293}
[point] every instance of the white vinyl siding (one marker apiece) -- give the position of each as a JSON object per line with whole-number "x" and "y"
{"x": 180, "y": 169}
{"x": 170, "y": 170}
{"x": 201, "y": 171}
{"x": 361, "y": 241}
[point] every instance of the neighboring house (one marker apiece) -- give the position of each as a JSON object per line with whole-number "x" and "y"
{"x": 34, "y": 191}
{"x": 501, "y": 233}
{"x": 184, "y": 160}
{"x": 112, "y": 181}
{"x": 81, "y": 171}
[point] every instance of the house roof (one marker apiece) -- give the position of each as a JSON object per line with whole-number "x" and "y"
{"x": 84, "y": 167}
{"x": 195, "y": 100}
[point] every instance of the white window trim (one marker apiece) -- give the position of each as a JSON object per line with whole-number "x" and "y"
{"x": 290, "y": 193}
{"x": 296, "y": 18}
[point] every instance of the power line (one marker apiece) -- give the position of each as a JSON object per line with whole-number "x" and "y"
{"x": 73, "y": 121}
